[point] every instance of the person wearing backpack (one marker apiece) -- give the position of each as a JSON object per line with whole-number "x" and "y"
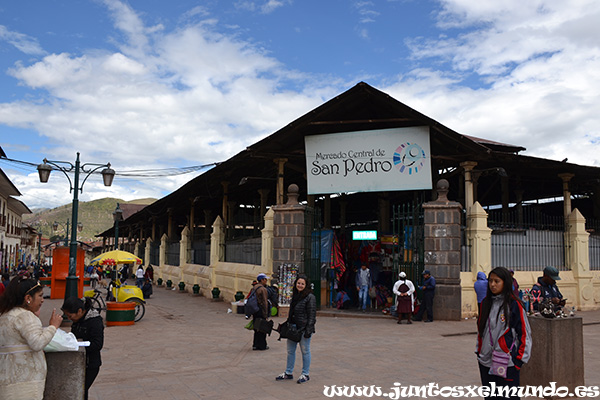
{"x": 260, "y": 295}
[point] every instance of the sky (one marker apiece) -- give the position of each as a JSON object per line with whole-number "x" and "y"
{"x": 154, "y": 84}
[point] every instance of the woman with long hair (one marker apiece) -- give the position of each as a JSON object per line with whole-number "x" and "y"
{"x": 22, "y": 340}
{"x": 87, "y": 326}
{"x": 303, "y": 315}
{"x": 502, "y": 330}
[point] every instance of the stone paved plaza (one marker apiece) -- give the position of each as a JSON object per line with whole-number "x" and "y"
{"x": 189, "y": 347}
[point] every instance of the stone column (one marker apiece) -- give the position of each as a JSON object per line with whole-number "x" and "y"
{"x": 184, "y": 247}
{"x": 288, "y": 231}
{"x": 468, "y": 167}
{"x": 479, "y": 238}
{"x": 566, "y": 194}
{"x": 579, "y": 260}
{"x": 280, "y": 174}
{"x": 147, "y": 249}
{"x": 442, "y": 252}
{"x": 162, "y": 254}
{"x": 217, "y": 249}
{"x": 267, "y": 242}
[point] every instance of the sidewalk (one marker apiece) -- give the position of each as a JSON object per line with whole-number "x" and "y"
{"x": 189, "y": 347}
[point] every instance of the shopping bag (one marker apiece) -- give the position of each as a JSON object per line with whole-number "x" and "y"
{"x": 288, "y": 331}
{"x": 62, "y": 341}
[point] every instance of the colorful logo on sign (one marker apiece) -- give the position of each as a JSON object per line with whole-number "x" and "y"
{"x": 409, "y": 158}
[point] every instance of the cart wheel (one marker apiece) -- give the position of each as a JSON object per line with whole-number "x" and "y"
{"x": 140, "y": 309}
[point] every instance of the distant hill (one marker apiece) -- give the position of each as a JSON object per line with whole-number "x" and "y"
{"x": 96, "y": 216}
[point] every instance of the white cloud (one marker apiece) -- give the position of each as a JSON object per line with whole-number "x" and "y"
{"x": 540, "y": 75}
{"x": 21, "y": 42}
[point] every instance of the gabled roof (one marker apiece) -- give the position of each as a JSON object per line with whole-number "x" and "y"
{"x": 17, "y": 206}
{"x": 6, "y": 186}
{"x": 363, "y": 107}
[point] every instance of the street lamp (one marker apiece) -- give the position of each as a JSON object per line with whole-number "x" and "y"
{"x": 56, "y": 224}
{"x": 108, "y": 175}
{"x": 117, "y": 216}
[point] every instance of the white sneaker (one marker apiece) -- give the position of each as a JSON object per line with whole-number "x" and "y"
{"x": 303, "y": 378}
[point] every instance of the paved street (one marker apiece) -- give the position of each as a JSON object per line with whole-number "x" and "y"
{"x": 189, "y": 347}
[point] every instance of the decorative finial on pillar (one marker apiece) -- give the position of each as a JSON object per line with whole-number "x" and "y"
{"x": 292, "y": 194}
{"x": 442, "y": 189}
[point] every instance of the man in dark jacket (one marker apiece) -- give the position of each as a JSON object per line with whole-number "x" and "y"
{"x": 546, "y": 288}
{"x": 428, "y": 289}
{"x": 260, "y": 338}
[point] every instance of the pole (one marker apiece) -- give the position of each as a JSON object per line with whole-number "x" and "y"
{"x": 117, "y": 234}
{"x": 39, "y": 261}
{"x": 72, "y": 279}
{"x": 67, "y": 234}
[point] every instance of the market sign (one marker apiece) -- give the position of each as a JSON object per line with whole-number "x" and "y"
{"x": 364, "y": 235}
{"x": 369, "y": 161}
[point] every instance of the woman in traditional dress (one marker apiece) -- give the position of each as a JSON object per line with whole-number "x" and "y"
{"x": 22, "y": 340}
{"x": 405, "y": 290}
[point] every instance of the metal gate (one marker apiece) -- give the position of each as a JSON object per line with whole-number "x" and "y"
{"x": 408, "y": 226}
{"x": 312, "y": 250}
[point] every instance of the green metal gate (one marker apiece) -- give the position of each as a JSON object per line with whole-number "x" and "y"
{"x": 408, "y": 226}
{"x": 312, "y": 250}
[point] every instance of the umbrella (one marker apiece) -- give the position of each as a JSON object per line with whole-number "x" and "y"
{"x": 115, "y": 257}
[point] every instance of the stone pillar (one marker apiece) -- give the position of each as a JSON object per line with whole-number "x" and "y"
{"x": 184, "y": 247}
{"x": 556, "y": 353}
{"x": 577, "y": 240}
{"x": 217, "y": 242}
{"x": 170, "y": 223}
{"x": 267, "y": 242}
{"x": 566, "y": 194}
{"x": 442, "y": 252}
{"x": 479, "y": 238}
{"x": 468, "y": 167}
{"x": 280, "y": 174}
{"x": 147, "y": 249}
{"x": 162, "y": 253}
{"x": 136, "y": 250}
{"x": 65, "y": 379}
{"x": 217, "y": 248}
{"x": 288, "y": 231}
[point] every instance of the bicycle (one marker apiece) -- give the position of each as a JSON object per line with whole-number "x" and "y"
{"x": 124, "y": 293}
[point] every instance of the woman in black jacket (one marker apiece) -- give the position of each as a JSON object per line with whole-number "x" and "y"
{"x": 303, "y": 314}
{"x": 87, "y": 326}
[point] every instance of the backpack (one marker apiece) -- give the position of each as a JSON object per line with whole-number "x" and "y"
{"x": 251, "y": 305}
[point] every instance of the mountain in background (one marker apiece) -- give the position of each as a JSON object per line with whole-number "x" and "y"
{"x": 96, "y": 217}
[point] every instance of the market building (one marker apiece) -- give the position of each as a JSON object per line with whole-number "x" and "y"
{"x": 364, "y": 178}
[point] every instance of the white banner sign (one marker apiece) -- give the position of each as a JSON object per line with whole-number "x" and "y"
{"x": 369, "y": 161}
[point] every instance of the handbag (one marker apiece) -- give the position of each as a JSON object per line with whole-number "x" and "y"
{"x": 499, "y": 360}
{"x": 288, "y": 331}
{"x": 263, "y": 326}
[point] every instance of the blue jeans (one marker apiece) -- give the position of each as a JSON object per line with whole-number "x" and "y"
{"x": 363, "y": 297}
{"x": 291, "y": 355}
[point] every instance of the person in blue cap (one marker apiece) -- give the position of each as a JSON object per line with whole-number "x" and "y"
{"x": 546, "y": 288}
{"x": 428, "y": 289}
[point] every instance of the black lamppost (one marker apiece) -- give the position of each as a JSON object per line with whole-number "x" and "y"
{"x": 108, "y": 175}
{"x": 117, "y": 216}
{"x": 56, "y": 224}
{"x": 38, "y": 266}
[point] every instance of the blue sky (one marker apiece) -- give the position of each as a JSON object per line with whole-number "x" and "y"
{"x": 149, "y": 84}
